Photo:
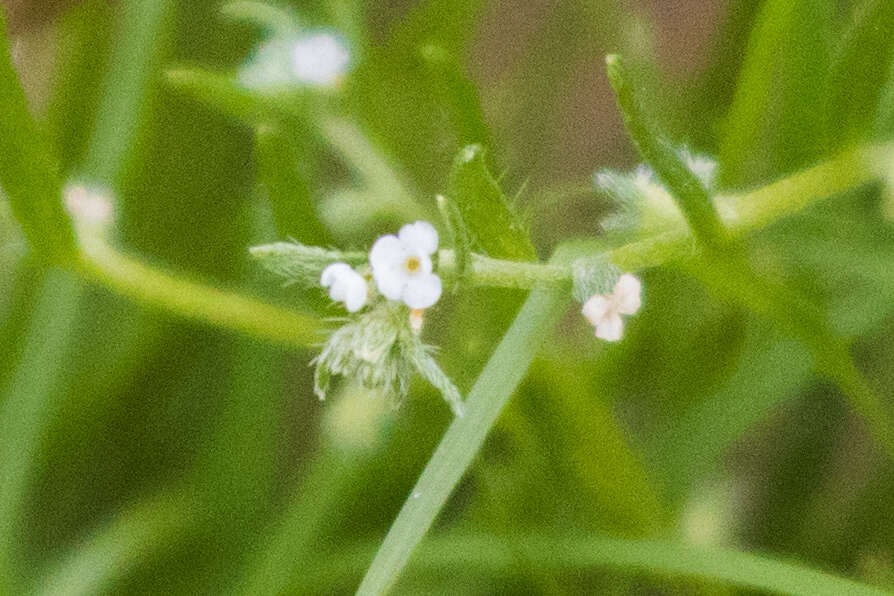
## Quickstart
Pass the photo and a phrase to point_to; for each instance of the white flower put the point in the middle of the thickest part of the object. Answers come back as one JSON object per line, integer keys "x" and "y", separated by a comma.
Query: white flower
{"x": 320, "y": 59}
{"x": 345, "y": 285}
{"x": 604, "y": 310}
{"x": 401, "y": 265}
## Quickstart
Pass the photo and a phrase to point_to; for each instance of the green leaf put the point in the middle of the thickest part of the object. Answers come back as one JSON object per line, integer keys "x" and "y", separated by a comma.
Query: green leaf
{"x": 275, "y": 20}
{"x": 26, "y": 409}
{"x": 283, "y": 174}
{"x": 730, "y": 277}
{"x": 301, "y": 264}
{"x": 107, "y": 555}
{"x": 459, "y": 233}
{"x": 665, "y": 159}
{"x": 495, "y": 229}
{"x": 778, "y": 117}
{"x": 466, "y": 435}
{"x": 455, "y": 91}
{"x": 771, "y": 373}
{"x": 488, "y": 554}
{"x": 29, "y": 174}
{"x": 860, "y": 71}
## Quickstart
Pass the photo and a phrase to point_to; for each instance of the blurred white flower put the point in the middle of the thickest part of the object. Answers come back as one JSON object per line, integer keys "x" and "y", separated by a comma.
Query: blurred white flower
{"x": 320, "y": 59}
{"x": 316, "y": 60}
{"x": 345, "y": 285}
{"x": 89, "y": 207}
{"x": 604, "y": 311}
{"x": 402, "y": 267}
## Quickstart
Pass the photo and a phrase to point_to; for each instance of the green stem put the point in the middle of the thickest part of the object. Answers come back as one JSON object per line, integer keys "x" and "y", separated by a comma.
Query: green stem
{"x": 29, "y": 173}
{"x": 463, "y": 439}
{"x": 657, "y": 150}
{"x": 156, "y": 287}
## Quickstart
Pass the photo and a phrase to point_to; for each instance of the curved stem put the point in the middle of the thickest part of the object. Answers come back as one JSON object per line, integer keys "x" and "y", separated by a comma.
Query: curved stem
{"x": 130, "y": 277}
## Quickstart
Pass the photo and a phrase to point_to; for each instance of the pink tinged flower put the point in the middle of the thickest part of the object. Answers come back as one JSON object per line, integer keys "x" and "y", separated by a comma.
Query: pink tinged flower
{"x": 604, "y": 311}
{"x": 345, "y": 285}
{"x": 402, "y": 267}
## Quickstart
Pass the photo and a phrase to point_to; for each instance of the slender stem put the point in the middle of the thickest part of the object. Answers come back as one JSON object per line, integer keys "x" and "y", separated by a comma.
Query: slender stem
{"x": 130, "y": 277}
{"x": 741, "y": 213}
{"x": 660, "y": 153}
{"x": 491, "y": 392}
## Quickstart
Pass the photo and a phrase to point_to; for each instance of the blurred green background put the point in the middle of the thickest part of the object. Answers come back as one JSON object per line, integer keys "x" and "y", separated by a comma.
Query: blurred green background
{"x": 164, "y": 456}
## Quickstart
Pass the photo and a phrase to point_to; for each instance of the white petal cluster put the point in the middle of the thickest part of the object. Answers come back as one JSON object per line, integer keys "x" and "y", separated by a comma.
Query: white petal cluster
{"x": 345, "y": 285}
{"x": 604, "y": 311}
{"x": 320, "y": 59}
{"x": 402, "y": 266}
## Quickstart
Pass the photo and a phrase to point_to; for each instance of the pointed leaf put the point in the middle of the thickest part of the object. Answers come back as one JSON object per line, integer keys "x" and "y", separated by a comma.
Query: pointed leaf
{"x": 495, "y": 229}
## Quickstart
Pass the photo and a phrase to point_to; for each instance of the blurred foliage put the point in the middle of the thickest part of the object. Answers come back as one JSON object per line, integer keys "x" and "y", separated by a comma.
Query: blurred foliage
{"x": 145, "y": 453}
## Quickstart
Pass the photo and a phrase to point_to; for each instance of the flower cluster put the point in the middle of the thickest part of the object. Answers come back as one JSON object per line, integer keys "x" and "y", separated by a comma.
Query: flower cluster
{"x": 380, "y": 347}
{"x": 604, "y": 311}
{"x": 401, "y": 268}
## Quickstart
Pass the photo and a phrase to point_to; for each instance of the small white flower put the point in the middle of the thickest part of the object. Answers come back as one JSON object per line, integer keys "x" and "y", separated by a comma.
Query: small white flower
{"x": 402, "y": 267}
{"x": 604, "y": 311}
{"x": 345, "y": 285}
{"x": 320, "y": 59}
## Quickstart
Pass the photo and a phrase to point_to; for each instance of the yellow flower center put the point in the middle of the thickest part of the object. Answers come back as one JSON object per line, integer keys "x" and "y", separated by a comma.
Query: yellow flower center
{"x": 413, "y": 264}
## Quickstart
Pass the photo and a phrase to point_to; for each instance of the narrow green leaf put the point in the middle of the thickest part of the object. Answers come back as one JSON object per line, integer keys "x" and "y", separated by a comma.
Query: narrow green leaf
{"x": 283, "y": 175}
{"x": 286, "y": 554}
{"x": 261, "y": 14}
{"x": 486, "y": 555}
{"x": 126, "y": 542}
{"x": 29, "y": 173}
{"x": 778, "y": 117}
{"x": 301, "y": 264}
{"x": 861, "y": 70}
{"x": 771, "y": 373}
{"x": 126, "y": 89}
{"x": 224, "y": 94}
{"x": 457, "y": 93}
{"x": 502, "y": 374}
{"x": 729, "y": 277}
{"x": 493, "y": 226}
{"x": 25, "y": 409}
{"x": 685, "y": 187}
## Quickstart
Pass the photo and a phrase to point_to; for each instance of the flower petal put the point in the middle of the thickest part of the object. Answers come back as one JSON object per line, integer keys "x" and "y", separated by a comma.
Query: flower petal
{"x": 333, "y": 272}
{"x": 611, "y": 328}
{"x": 596, "y": 308}
{"x": 355, "y": 293}
{"x": 627, "y": 294}
{"x": 420, "y": 236}
{"x": 390, "y": 281}
{"x": 422, "y": 291}
{"x": 386, "y": 252}
{"x": 425, "y": 265}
